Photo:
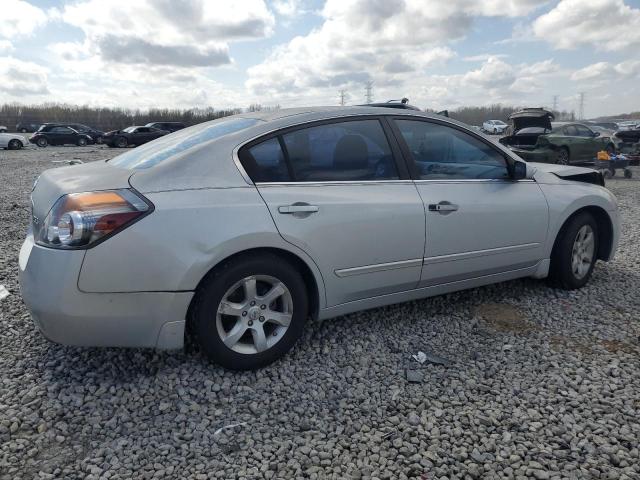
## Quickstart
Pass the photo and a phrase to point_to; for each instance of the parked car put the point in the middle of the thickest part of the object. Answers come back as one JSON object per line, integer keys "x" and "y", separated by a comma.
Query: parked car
{"x": 242, "y": 228}
{"x": 27, "y": 127}
{"x": 628, "y": 136}
{"x": 494, "y": 126}
{"x": 59, "y": 134}
{"x": 96, "y": 135}
{"x": 167, "y": 126}
{"x": 132, "y": 136}
{"x": 3, "y": 129}
{"x": 12, "y": 141}
{"x": 534, "y": 137}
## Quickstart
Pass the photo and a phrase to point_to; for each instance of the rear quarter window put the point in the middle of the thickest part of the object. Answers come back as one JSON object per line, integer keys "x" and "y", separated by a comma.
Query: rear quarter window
{"x": 167, "y": 146}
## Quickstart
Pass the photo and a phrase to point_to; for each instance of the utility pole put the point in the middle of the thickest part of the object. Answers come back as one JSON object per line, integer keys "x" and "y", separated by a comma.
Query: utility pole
{"x": 369, "y": 91}
{"x": 581, "y": 109}
{"x": 555, "y": 103}
{"x": 343, "y": 94}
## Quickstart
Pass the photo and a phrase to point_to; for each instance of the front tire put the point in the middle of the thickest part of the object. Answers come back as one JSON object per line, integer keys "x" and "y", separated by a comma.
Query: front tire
{"x": 250, "y": 312}
{"x": 81, "y": 142}
{"x": 575, "y": 253}
{"x": 120, "y": 142}
{"x": 42, "y": 142}
{"x": 14, "y": 145}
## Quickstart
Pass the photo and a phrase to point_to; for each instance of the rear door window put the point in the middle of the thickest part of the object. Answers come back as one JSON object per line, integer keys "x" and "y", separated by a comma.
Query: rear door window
{"x": 343, "y": 151}
{"x": 571, "y": 131}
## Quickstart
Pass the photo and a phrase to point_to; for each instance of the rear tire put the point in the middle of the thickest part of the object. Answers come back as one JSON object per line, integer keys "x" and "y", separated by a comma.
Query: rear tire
{"x": 23, "y": 130}
{"x": 243, "y": 336}
{"x": 563, "y": 157}
{"x": 42, "y": 142}
{"x": 575, "y": 252}
{"x": 14, "y": 144}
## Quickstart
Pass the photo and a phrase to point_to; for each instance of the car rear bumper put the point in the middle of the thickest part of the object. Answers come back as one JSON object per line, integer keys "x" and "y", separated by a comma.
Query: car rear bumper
{"x": 66, "y": 315}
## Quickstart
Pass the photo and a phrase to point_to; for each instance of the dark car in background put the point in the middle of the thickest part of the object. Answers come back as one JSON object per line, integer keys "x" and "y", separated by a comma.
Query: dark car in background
{"x": 59, "y": 134}
{"x": 96, "y": 135}
{"x": 28, "y": 127}
{"x": 135, "y": 135}
{"x": 533, "y": 136}
{"x": 167, "y": 126}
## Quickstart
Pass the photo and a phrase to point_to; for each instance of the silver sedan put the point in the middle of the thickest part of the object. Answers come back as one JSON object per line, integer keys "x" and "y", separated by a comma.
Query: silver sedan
{"x": 241, "y": 229}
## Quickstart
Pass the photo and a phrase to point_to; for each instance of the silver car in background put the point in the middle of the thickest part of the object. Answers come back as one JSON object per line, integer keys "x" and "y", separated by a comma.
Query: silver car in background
{"x": 240, "y": 229}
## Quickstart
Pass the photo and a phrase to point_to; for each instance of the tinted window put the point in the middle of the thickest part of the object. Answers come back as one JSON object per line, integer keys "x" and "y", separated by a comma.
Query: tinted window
{"x": 143, "y": 130}
{"x": 345, "y": 151}
{"x": 571, "y": 130}
{"x": 61, "y": 130}
{"x": 167, "y": 146}
{"x": 265, "y": 162}
{"x": 442, "y": 152}
{"x": 583, "y": 131}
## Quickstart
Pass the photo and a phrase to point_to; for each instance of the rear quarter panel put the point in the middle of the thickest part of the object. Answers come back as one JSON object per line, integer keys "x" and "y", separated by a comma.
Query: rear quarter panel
{"x": 189, "y": 232}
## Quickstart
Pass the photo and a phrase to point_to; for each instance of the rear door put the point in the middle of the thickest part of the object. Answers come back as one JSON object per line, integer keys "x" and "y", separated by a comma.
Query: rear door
{"x": 589, "y": 143}
{"x": 59, "y": 135}
{"x": 479, "y": 222}
{"x": 142, "y": 135}
{"x": 337, "y": 191}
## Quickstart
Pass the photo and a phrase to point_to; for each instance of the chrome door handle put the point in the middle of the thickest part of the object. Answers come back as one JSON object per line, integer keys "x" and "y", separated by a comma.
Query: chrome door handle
{"x": 291, "y": 209}
{"x": 443, "y": 207}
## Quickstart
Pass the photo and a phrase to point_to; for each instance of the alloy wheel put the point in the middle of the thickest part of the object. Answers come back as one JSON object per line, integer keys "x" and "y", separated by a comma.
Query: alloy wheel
{"x": 583, "y": 251}
{"x": 563, "y": 157}
{"x": 254, "y": 314}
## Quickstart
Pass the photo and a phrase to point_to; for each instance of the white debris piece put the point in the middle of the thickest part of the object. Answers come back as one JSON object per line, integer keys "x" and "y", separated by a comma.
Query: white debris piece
{"x": 4, "y": 293}
{"x": 420, "y": 357}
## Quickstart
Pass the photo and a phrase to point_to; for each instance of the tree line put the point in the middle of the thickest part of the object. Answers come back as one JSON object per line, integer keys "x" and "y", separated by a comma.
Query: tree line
{"x": 104, "y": 118}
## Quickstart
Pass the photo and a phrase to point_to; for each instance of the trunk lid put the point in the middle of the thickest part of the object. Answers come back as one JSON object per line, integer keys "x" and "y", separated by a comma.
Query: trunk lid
{"x": 56, "y": 182}
{"x": 531, "y": 117}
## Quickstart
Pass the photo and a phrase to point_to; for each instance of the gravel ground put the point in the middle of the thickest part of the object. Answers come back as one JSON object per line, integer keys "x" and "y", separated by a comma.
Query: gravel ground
{"x": 537, "y": 383}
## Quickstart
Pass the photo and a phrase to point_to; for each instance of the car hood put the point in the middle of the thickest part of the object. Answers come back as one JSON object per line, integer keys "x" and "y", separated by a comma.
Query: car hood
{"x": 567, "y": 172}
{"x": 531, "y": 118}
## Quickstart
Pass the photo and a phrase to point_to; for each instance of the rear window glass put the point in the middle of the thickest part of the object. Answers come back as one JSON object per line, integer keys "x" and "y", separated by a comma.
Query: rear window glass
{"x": 154, "y": 152}
{"x": 345, "y": 151}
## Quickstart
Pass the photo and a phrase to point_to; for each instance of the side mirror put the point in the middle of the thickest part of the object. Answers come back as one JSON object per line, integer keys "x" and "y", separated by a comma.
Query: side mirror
{"x": 596, "y": 134}
{"x": 522, "y": 171}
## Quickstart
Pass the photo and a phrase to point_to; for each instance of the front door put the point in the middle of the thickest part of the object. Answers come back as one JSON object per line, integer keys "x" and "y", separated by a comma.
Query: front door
{"x": 334, "y": 190}
{"x": 479, "y": 221}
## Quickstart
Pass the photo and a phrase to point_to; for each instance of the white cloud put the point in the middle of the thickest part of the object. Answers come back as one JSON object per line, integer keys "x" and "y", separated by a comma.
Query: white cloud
{"x": 590, "y": 72}
{"x": 6, "y": 47}
{"x": 19, "y": 18}
{"x": 287, "y": 8}
{"x": 608, "y": 25}
{"x": 494, "y": 73}
{"x": 167, "y": 32}
{"x": 19, "y": 78}
{"x": 606, "y": 70}
{"x": 387, "y": 41}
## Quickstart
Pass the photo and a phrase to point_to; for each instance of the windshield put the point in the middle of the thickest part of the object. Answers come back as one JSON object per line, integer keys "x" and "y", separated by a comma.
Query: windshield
{"x": 129, "y": 129}
{"x": 159, "y": 150}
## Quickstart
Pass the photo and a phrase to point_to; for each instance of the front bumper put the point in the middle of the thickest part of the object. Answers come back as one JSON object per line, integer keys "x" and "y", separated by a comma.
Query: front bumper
{"x": 66, "y": 315}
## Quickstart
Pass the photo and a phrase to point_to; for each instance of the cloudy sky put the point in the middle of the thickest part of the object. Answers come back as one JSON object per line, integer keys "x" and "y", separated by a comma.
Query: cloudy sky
{"x": 230, "y": 53}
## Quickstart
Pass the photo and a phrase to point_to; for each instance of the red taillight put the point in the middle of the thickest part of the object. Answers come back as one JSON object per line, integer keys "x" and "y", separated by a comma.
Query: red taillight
{"x": 79, "y": 220}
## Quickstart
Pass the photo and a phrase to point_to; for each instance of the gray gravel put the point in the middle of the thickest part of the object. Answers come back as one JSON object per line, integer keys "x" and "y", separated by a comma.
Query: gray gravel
{"x": 542, "y": 384}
